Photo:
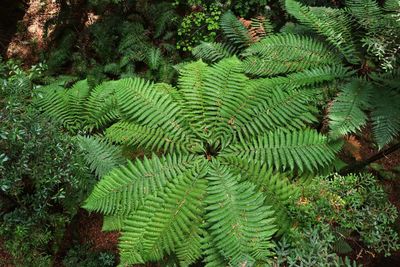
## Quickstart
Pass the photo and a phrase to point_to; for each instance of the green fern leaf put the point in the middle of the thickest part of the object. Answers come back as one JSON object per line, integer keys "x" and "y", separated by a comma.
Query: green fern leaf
{"x": 101, "y": 156}
{"x": 164, "y": 220}
{"x": 234, "y": 30}
{"x": 334, "y": 24}
{"x": 127, "y": 187}
{"x": 213, "y": 52}
{"x": 239, "y": 222}
{"x": 301, "y": 150}
{"x": 285, "y": 53}
{"x": 346, "y": 115}
{"x": 113, "y": 223}
{"x": 385, "y": 116}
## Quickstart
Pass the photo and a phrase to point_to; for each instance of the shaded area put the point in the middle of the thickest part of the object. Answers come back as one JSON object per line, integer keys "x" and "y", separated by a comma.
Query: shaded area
{"x": 11, "y": 12}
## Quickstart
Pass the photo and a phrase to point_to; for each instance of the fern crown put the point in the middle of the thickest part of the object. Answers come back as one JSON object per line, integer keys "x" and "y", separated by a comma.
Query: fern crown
{"x": 210, "y": 189}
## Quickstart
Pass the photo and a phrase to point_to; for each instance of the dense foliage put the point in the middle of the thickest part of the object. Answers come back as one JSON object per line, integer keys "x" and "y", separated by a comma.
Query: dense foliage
{"x": 208, "y": 133}
{"x": 43, "y": 178}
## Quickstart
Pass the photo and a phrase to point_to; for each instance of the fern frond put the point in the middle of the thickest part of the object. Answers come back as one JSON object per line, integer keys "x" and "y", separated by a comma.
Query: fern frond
{"x": 235, "y": 31}
{"x": 165, "y": 220}
{"x": 190, "y": 249}
{"x": 101, "y": 106}
{"x": 212, "y": 256}
{"x": 266, "y": 109}
{"x": 239, "y": 223}
{"x": 277, "y": 188}
{"x": 302, "y": 150}
{"x": 132, "y": 134}
{"x": 285, "y": 53}
{"x": 126, "y": 187}
{"x": 223, "y": 94}
{"x": 153, "y": 58}
{"x": 65, "y": 105}
{"x": 141, "y": 104}
{"x": 113, "y": 223}
{"x": 303, "y": 79}
{"x": 366, "y": 12}
{"x": 385, "y": 117}
{"x": 101, "y": 156}
{"x": 334, "y": 24}
{"x": 213, "y": 52}
{"x": 191, "y": 87}
{"x": 346, "y": 114}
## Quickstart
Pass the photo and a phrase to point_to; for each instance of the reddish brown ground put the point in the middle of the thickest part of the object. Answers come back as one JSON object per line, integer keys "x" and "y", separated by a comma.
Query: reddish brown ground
{"x": 31, "y": 38}
{"x": 5, "y": 258}
{"x": 89, "y": 231}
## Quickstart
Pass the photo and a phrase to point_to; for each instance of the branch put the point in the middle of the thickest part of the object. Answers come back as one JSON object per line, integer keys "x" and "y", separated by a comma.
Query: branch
{"x": 360, "y": 165}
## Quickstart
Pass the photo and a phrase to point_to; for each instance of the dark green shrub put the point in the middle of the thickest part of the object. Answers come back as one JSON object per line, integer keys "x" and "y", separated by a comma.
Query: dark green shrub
{"x": 43, "y": 178}
{"x": 355, "y": 207}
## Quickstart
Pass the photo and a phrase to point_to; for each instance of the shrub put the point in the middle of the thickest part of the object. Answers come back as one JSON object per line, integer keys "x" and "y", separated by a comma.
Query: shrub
{"x": 43, "y": 178}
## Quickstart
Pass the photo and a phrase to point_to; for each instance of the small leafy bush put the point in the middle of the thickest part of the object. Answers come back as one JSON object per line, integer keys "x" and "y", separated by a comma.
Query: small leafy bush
{"x": 82, "y": 256}
{"x": 355, "y": 207}
{"x": 43, "y": 178}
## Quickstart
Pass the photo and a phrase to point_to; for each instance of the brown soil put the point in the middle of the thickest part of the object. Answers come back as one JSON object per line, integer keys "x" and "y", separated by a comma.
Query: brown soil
{"x": 11, "y": 11}
{"x": 89, "y": 230}
{"x": 31, "y": 37}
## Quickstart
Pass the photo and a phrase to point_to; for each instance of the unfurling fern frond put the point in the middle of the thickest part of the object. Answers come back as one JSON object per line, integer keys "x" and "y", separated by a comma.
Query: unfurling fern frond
{"x": 346, "y": 114}
{"x": 334, "y": 24}
{"x": 285, "y": 53}
{"x": 101, "y": 156}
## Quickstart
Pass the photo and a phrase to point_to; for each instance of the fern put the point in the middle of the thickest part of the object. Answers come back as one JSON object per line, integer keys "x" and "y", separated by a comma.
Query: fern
{"x": 301, "y": 149}
{"x": 213, "y": 52}
{"x": 235, "y": 31}
{"x": 239, "y": 222}
{"x": 284, "y": 53}
{"x": 99, "y": 155}
{"x": 346, "y": 114}
{"x": 210, "y": 190}
{"x": 65, "y": 105}
{"x": 334, "y": 24}
{"x": 385, "y": 117}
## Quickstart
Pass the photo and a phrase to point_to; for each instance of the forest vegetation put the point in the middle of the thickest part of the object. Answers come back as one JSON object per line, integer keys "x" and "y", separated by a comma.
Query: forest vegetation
{"x": 199, "y": 133}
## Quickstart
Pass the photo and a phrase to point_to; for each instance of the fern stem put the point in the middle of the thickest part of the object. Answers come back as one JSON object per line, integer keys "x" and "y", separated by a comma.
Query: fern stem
{"x": 360, "y": 165}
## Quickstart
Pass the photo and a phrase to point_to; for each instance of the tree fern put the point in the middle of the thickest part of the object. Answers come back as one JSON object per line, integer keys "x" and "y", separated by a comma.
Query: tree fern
{"x": 210, "y": 190}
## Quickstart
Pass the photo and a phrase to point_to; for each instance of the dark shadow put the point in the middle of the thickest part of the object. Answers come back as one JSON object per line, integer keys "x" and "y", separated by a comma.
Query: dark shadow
{"x": 11, "y": 12}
